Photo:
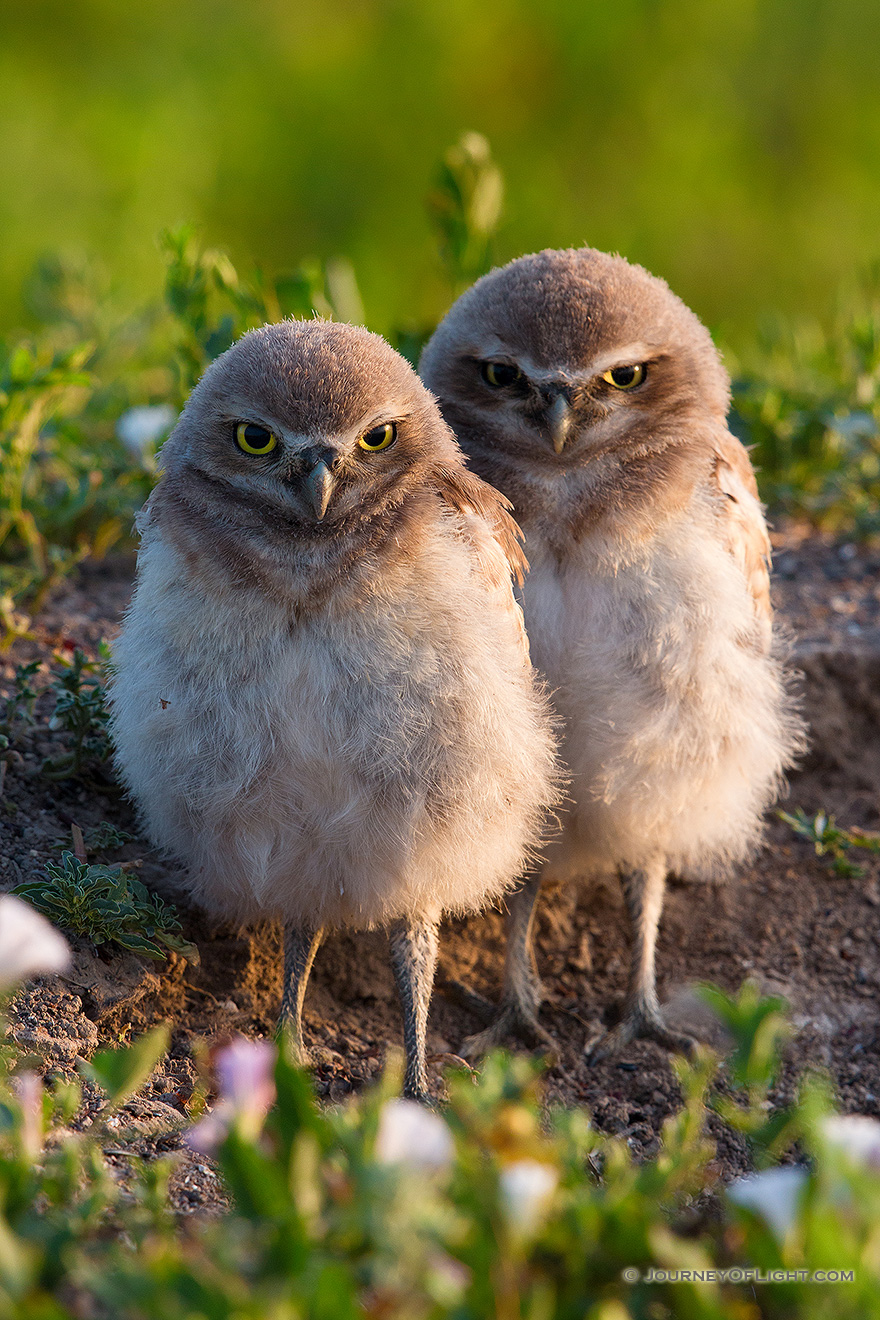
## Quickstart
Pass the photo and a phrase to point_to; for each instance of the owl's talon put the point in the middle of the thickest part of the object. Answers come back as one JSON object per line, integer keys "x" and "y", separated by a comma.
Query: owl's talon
{"x": 515, "y": 1021}
{"x": 312, "y": 1057}
{"x": 638, "y": 1026}
{"x": 294, "y": 1050}
{"x": 300, "y": 1056}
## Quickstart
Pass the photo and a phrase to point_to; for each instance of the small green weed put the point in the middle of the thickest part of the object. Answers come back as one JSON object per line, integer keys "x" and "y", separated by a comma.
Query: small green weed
{"x": 36, "y": 389}
{"x": 81, "y": 712}
{"x": 106, "y": 904}
{"x": 832, "y": 842}
{"x": 759, "y": 1029}
{"x": 212, "y": 305}
{"x": 106, "y": 837}
{"x": 64, "y": 492}
{"x": 808, "y": 398}
{"x": 465, "y": 207}
{"x": 98, "y": 839}
{"x": 18, "y": 708}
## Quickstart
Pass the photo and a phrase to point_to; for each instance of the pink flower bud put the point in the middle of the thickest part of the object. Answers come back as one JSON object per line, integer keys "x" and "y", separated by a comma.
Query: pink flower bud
{"x": 247, "y": 1091}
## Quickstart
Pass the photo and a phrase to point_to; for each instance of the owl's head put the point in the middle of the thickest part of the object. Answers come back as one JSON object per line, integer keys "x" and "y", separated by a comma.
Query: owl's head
{"x": 565, "y": 355}
{"x": 308, "y": 426}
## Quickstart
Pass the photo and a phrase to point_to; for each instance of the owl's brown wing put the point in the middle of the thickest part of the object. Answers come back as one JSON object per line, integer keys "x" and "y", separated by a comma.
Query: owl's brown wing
{"x": 744, "y": 528}
{"x": 493, "y": 534}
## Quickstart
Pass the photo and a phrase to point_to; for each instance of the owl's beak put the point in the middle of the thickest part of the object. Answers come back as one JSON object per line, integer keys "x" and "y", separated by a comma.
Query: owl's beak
{"x": 319, "y": 487}
{"x": 560, "y": 417}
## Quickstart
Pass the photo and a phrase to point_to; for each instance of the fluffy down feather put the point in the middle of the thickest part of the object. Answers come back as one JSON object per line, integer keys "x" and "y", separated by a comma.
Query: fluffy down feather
{"x": 647, "y": 606}
{"x": 330, "y": 721}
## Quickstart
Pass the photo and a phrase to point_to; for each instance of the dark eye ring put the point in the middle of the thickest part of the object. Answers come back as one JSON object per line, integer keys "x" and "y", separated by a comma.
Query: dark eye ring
{"x": 499, "y": 374}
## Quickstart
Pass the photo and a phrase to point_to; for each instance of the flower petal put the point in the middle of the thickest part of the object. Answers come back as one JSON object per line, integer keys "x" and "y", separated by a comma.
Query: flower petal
{"x": 857, "y": 1135}
{"x": 527, "y": 1187}
{"x": 774, "y": 1194}
{"x": 410, "y": 1134}
{"x": 140, "y": 428}
{"x": 29, "y": 945}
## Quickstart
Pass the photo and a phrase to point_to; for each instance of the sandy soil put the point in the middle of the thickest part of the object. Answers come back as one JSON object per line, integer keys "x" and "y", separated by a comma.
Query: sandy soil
{"x": 788, "y": 920}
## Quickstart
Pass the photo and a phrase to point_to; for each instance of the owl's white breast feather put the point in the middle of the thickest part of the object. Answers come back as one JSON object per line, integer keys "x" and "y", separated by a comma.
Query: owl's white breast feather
{"x": 677, "y": 729}
{"x": 348, "y": 766}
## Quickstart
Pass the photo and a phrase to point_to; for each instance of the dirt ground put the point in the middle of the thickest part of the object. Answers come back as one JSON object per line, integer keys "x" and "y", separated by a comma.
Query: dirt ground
{"x": 788, "y": 920}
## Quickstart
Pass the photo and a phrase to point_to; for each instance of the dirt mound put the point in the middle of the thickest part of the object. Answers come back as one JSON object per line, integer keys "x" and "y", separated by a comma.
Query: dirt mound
{"x": 842, "y": 705}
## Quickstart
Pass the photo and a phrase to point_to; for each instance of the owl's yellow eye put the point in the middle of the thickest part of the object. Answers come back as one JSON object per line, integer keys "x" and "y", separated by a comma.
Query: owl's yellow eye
{"x": 254, "y": 439}
{"x": 500, "y": 374}
{"x": 379, "y": 437}
{"x": 626, "y": 378}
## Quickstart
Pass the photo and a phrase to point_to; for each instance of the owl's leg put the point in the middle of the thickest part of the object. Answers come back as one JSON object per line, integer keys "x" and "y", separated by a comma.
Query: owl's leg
{"x": 643, "y": 890}
{"x": 300, "y": 947}
{"x": 517, "y": 1014}
{"x": 413, "y": 944}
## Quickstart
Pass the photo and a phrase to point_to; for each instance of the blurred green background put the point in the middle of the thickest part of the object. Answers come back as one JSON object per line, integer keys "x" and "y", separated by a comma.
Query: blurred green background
{"x": 731, "y": 146}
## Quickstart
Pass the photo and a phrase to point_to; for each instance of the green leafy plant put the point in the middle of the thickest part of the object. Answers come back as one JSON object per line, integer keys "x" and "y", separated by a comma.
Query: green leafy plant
{"x": 38, "y": 388}
{"x": 60, "y": 1205}
{"x": 97, "y": 840}
{"x": 808, "y": 398}
{"x": 18, "y": 707}
{"x": 465, "y": 208}
{"x": 212, "y": 304}
{"x": 81, "y": 712}
{"x": 67, "y": 487}
{"x": 106, "y": 904}
{"x": 832, "y": 842}
{"x": 106, "y": 837}
{"x": 758, "y": 1028}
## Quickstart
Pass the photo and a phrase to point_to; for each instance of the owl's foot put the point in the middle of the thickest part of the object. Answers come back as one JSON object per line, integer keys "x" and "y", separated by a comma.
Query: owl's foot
{"x": 318, "y": 1056}
{"x": 513, "y": 1020}
{"x": 309, "y": 1057}
{"x": 293, "y": 1046}
{"x": 639, "y": 1024}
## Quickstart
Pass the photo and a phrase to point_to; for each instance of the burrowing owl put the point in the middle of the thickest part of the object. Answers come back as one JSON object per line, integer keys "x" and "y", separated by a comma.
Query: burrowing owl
{"x": 588, "y": 393}
{"x": 323, "y": 702}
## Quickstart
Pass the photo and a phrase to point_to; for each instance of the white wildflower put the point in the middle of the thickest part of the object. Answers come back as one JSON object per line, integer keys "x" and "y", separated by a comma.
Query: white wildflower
{"x": 29, "y": 946}
{"x": 857, "y": 1135}
{"x": 774, "y": 1194}
{"x": 140, "y": 428}
{"x": 410, "y": 1134}
{"x": 527, "y": 1187}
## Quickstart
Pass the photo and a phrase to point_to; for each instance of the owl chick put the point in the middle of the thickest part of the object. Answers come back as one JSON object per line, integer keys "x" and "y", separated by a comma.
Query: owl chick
{"x": 322, "y": 699}
{"x": 582, "y": 388}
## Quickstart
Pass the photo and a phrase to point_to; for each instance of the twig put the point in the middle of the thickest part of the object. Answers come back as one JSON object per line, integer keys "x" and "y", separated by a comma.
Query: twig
{"x": 79, "y": 846}
{"x": 207, "y": 993}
